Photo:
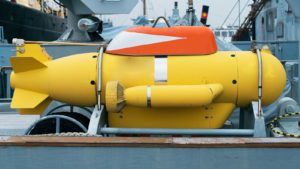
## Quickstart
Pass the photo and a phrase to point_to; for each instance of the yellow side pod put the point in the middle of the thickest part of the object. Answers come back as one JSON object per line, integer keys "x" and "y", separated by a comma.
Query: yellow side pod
{"x": 161, "y": 96}
{"x": 38, "y": 80}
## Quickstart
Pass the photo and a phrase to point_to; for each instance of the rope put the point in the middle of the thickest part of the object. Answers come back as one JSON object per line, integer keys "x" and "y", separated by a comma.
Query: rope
{"x": 272, "y": 125}
{"x": 229, "y": 14}
{"x": 68, "y": 134}
{"x": 241, "y": 12}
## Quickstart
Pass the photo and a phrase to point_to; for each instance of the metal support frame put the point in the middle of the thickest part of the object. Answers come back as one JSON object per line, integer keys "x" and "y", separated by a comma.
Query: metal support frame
{"x": 198, "y": 132}
{"x": 99, "y": 80}
{"x": 250, "y": 125}
{"x": 97, "y": 117}
{"x": 249, "y": 119}
{"x": 96, "y": 120}
{"x": 259, "y": 121}
{"x": 259, "y": 59}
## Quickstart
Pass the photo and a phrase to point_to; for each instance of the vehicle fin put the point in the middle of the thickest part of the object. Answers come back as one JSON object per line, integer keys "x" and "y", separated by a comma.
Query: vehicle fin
{"x": 23, "y": 64}
{"x": 29, "y": 102}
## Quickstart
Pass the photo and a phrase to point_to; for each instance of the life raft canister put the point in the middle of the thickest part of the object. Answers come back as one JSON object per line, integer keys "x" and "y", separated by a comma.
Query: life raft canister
{"x": 179, "y": 40}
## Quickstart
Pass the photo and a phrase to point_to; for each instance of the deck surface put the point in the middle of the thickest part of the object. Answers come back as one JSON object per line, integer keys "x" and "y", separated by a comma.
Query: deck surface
{"x": 14, "y": 124}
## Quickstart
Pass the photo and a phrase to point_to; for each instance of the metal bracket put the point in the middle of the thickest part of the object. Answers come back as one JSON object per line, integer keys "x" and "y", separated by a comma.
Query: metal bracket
{"x": 190, "y": 132}
{"x": 259, "y": 121}
{"x": 99, "y": 80}
{"x": 96, "y": 120}
{"x": 249, "y": 119}
{"x": 259, "y": 59}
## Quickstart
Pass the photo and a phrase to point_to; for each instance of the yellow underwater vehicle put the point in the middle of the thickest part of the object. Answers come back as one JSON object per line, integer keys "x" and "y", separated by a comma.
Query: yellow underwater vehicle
{"x": 148, "y": 77}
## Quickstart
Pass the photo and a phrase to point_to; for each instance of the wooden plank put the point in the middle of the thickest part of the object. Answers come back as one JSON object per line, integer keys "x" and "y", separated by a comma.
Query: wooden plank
{"x": 60, "y": 141}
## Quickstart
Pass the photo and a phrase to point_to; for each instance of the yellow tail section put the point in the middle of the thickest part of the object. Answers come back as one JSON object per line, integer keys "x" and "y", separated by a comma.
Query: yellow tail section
{"x": 29, "y": 57}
